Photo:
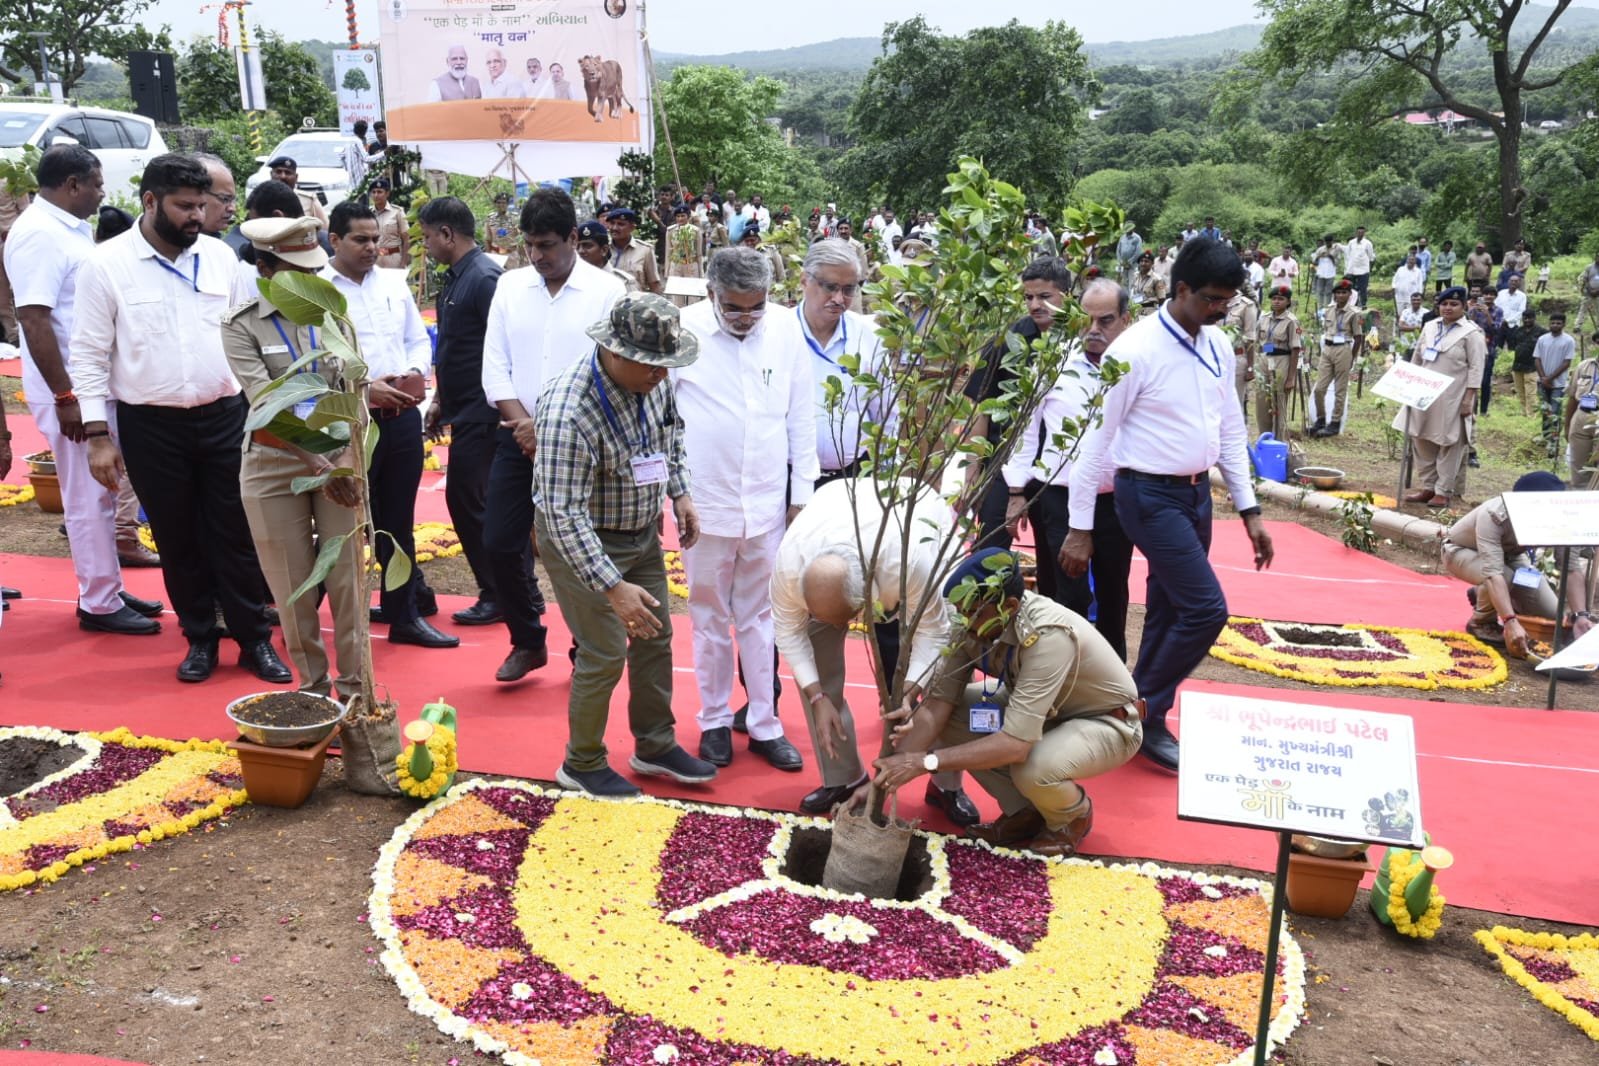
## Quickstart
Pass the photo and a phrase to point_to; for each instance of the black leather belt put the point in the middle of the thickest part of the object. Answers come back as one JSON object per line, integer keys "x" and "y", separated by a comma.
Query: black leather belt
{"x": 1170, "y": 479}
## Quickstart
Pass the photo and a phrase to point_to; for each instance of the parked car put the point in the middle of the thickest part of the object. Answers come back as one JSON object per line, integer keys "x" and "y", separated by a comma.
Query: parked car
{"x": 320, "y": 157}
{"x": 123, "y": 142}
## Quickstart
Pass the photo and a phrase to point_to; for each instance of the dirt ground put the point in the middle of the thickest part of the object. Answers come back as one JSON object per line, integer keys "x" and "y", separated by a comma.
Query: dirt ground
{"x": 245, "y": 942}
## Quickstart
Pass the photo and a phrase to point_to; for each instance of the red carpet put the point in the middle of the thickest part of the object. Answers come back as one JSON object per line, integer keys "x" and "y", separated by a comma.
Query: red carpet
{"x": 52, "y": 1058}
{"x": 1492, "y": 776}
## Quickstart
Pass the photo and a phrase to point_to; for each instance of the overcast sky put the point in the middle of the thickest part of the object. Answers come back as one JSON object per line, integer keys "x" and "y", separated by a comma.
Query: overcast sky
{"x": 687, "y": 25}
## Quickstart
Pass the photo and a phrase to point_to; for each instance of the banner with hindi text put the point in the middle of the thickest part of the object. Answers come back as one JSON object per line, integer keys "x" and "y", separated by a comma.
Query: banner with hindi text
{"x": 564, "y": 78}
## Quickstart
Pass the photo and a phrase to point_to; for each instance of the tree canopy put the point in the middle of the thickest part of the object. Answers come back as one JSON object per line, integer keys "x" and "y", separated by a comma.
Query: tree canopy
{"x": 208, "y": 82}
{"x": 76, "y": 30}
{"x": 1013, "y": 96}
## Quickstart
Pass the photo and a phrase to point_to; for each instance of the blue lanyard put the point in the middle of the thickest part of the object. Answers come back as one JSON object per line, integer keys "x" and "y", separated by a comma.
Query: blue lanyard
{"x": 1182, "y": 339}
{"x": 293, "y": 349}
{"x": 610, "y": 412}
{"x": 999, "y": 677}
{"x": 193, "y": 282}
{"x": 843, "y": 326}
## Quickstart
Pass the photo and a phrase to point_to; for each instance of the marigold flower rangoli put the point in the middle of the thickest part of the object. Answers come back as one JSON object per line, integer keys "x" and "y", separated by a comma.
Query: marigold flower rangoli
{"x": 1356, "y": 656}
{"x": 549, "y": 927}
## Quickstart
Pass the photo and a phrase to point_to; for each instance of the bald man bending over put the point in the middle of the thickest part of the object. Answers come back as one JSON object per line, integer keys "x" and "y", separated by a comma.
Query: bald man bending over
{"x": 819, "y": 587}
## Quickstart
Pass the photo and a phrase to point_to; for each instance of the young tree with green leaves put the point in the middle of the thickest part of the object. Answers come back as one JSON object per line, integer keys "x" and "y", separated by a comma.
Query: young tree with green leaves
{"x": 1013, "y": 96}
{"x": 208, "y": 82}
{"x": 76, "y": 30}
{"x": 1396, "y": 55}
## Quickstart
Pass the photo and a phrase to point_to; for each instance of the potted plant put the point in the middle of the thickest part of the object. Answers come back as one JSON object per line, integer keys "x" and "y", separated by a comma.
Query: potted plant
{"x": 1324, "y": 874}
{"x": 369, "y": 728}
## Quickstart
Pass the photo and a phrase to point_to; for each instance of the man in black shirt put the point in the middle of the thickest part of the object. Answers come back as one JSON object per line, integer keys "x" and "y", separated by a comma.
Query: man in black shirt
{"x": 450, "y": 233}
{"x": 1045, "y": 283}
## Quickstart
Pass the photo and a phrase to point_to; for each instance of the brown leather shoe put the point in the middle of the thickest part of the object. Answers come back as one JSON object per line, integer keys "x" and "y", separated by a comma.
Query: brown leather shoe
{"x": 1418, "y": 496}
{"x": 1438, "y": 501}
{"x": 1009, "y": 829}
{"x": 133, "y": 554}
{"x": 1063, "y": 842}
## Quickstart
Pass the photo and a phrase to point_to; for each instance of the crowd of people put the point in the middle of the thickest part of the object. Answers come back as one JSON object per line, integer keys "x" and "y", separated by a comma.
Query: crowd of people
{"x": 580, "y": 403}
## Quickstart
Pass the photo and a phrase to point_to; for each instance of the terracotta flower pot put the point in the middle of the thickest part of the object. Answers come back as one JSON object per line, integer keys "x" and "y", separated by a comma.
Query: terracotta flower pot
{"x": 47, "y": 492}
{"x": 1324, "y": 888}
{"x": 281, "y": 777}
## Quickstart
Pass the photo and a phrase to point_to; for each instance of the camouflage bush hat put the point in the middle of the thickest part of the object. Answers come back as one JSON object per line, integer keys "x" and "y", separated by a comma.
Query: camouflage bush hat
{"x": 645, "y": 328}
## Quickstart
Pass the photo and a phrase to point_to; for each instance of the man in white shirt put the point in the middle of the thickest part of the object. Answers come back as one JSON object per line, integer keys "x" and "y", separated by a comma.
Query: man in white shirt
{"x": 1513, "y": 302}
{"x": 1284, "y": 269}
{"x": 1324, "y": 261}
{"x": 147, "y": 333}
{"x": 1037, "y": 476}
{"x": 755, "y": 210}
{"x": 46, "y": 246}
{"x": 395, "y": 346}
{"x": 501, "y": 86}
{"x": 750, "y": 434}
{"x": 1358, "y": 256}
{"x": 537, "y": 328}
{"x": 888, "y": 231}
{"x": 829, "y": 570}
{"x": 1170, "y": 418}
{"x": 1411, "y": 319}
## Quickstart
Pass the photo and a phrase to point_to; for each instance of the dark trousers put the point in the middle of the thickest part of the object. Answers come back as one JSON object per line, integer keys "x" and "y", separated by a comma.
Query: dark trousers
{"x": 1485, "y": 394}
{"x": 1361, "y": 282}
{"x": 1109, "y": 566}
{"x": 1184, "y": 608}
{"x": 991, "y": 516}
{"x": 393, "y": 478}
{"x": 507, "y": 527}
{"x": 184, "y": 464}
{"x": 466, "y": 491}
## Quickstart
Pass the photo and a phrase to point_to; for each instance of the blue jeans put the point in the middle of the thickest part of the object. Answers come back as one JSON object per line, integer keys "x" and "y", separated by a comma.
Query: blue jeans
{"x": 1185, "y": 609}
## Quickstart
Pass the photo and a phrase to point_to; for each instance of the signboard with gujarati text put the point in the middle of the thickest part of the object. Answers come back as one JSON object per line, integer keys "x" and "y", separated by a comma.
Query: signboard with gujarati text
{"x": 1412, "y": 385}
{"x": 1299, "y": 768}
{"x": 1554, "y": 519}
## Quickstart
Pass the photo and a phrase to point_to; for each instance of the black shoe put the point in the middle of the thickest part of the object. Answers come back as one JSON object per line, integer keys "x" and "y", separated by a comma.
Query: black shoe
{"x": 201, "y": 660}
{"x": 520, "y": 663}
{"x": 824, "y": 799}
{"x": 422, "y": 634}
{"x": 716, "y": 746}
{"x": 1159, "y": 746}
{"x": 261, "y": 659}
{"x": 675, "y": 763}
{"x": 954, "y": 802}
{"x": 1472, "y": 461}
{"x": 602, "y": 782}
{"x": 741, "y": 719}
{"x": 1315, "y": 430}
{"x": 782, "y": 754}
{"x": 148, "y": 608}
{"x": 9, "y": 593}
{"x": 376, "y": 616}
{"x": 427, "y": 602}
{"x": 124, "y": 620}
{"x": 481, "y": 613}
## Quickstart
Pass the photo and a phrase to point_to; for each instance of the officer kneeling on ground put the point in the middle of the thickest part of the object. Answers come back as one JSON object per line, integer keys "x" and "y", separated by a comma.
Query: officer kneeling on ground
{"x": 1057, "y": 705}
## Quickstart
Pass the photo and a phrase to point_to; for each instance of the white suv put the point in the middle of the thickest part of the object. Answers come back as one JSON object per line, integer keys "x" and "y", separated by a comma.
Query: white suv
{"x": 123, "y": 142}
{"x": 321, "y": 162}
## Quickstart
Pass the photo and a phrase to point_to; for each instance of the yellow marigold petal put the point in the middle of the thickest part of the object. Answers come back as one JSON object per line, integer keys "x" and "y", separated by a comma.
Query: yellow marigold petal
{"x": 428, "y": 882}
{"x": 1237, "y": 995}
{"x": 452, "y": 970}
{"x": 1166, "y": 1046}
{"x": 468, "y": 815}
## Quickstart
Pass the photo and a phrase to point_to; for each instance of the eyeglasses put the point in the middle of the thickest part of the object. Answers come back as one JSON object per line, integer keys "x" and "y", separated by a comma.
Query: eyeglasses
{"x": 835, "y": 290}
{"x": 225, "y": 201}
{"x": 740, "y": 312}
{"x": 1215, "y": 301}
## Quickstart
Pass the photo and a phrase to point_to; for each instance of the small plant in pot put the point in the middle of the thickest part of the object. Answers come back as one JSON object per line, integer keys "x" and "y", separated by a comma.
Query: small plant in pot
{"x": 326, "y": 414}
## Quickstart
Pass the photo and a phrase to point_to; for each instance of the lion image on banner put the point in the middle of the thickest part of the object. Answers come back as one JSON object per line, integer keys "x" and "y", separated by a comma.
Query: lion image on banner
{"x": 602, "y": 81}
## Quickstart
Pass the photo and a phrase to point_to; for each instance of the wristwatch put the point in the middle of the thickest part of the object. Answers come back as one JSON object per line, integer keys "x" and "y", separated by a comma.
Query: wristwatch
{"x": 930, "y": 762}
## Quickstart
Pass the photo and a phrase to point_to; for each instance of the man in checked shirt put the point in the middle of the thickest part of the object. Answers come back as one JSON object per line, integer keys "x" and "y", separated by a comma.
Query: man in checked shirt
{"x": 610, "y": 451}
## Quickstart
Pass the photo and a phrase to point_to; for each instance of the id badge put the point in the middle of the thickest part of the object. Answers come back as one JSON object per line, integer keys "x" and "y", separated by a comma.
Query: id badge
{"x": 1269, "y": 348}
{"x": 1429, "y": 355}
{"x": 649, "y": 469}
{"x": 1339, "y": 338}
{"x": 1588, "y": 401}
{"x": 1527, "y": 577}
{"x": 303, "y": 409}
{"x": 984, "y": 716}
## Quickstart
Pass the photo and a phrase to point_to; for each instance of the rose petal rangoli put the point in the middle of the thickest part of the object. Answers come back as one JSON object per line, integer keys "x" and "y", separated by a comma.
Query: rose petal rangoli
{"x": 1354, "y": 656}
{"x": 612, "y": 939}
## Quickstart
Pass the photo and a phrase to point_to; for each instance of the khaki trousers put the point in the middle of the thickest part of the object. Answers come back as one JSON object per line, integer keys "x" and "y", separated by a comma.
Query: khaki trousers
{"x": 287, "y": 528}
{"x": 1440, "y": 467}
{"x": 603, "y": 647}
{"x": 1526, "y": 388}
{"x": 1584, "y": 428}
{"x": 1466, "y": 564}
{"x": 1072, "y": 750}
{"x": 1332, "y": 373}
{"x": 1242, "y": 383}
{"x": 1271, "y": 405}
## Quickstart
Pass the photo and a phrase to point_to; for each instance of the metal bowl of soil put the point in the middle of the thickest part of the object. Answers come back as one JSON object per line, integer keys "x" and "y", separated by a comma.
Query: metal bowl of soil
{"x": 1320, "y": 477}
{"x": 285, "y": 719}
{"x": 1328, "y": 847}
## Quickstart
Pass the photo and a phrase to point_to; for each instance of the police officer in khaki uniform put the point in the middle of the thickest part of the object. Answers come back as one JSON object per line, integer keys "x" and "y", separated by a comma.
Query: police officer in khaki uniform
{"x": 394, "y": 229}
{"x": 1582, "y": 420}
{"x": 1057, "y": 705}
{"x": 1277, "y": 369}
{"x": 1243, "y": 315}
{"x": 499, "y": 229}
{"x": 1147, "y": 288}
{"x": 261, "y": 344}
{"x": 1342, "y": 338}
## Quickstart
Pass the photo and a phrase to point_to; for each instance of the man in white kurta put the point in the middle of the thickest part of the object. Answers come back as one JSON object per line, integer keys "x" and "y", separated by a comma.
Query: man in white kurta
{"x": 748, "y": 410}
